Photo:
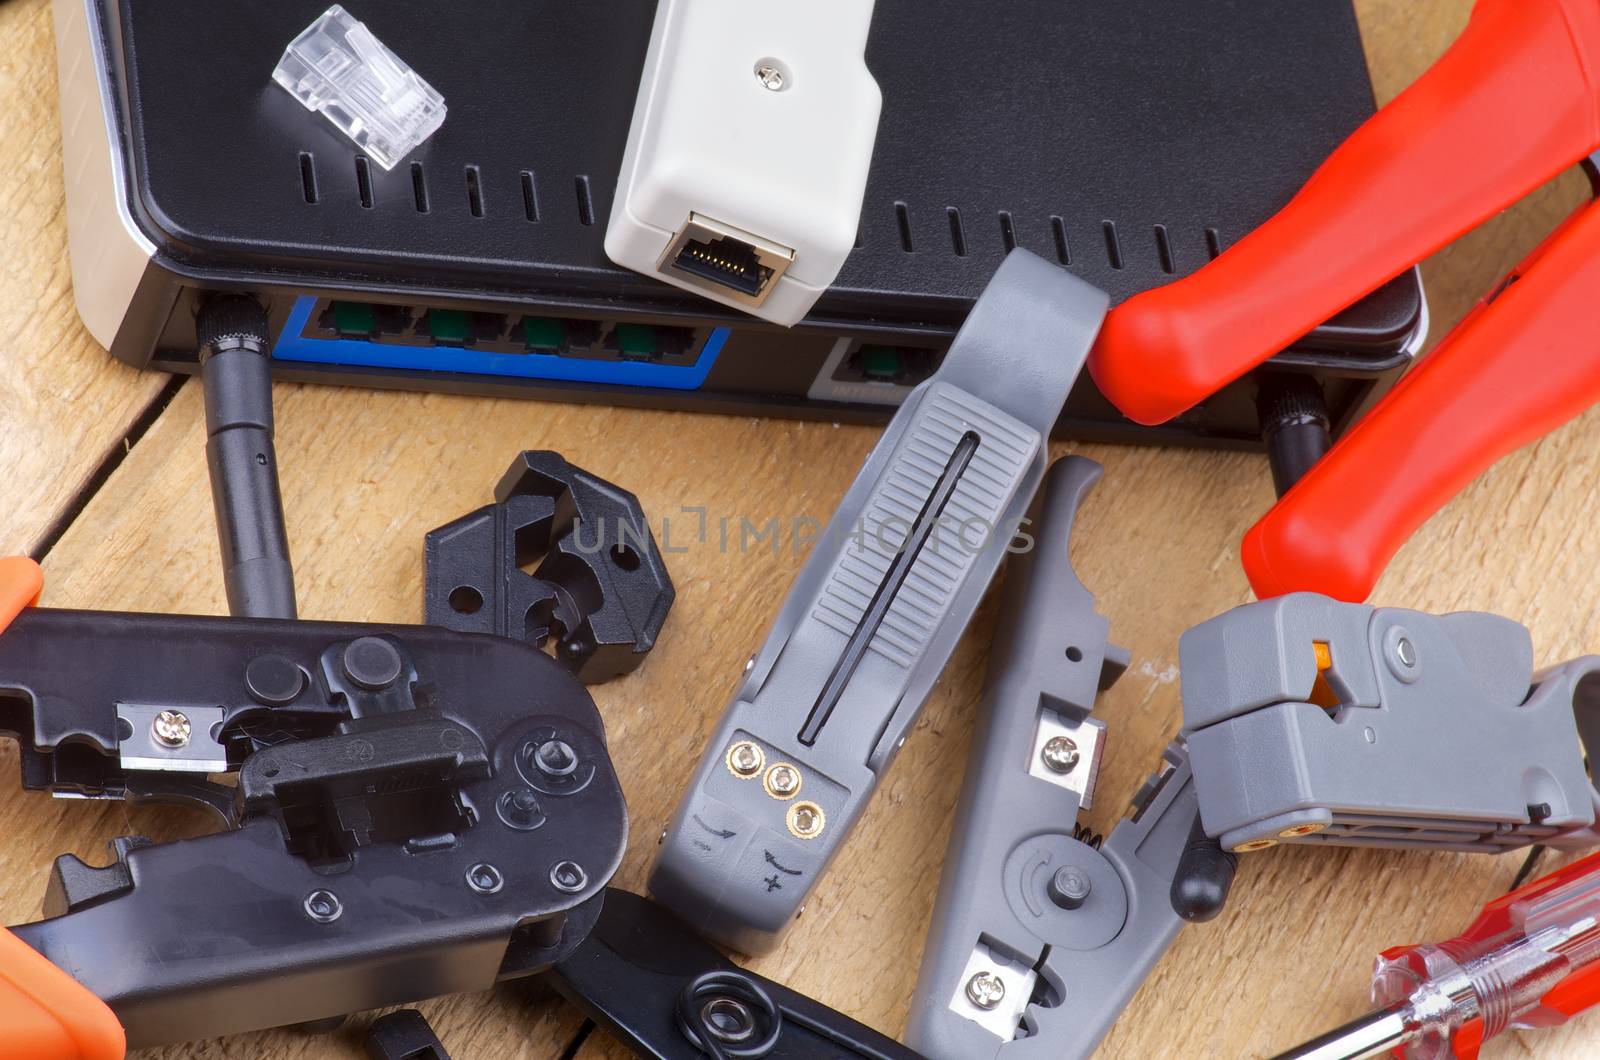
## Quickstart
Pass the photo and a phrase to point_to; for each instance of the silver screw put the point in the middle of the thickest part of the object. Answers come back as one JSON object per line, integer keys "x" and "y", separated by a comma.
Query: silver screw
{"x": 1406, "y": 651}
{"x": 485, "y": 878}
{"x": 771, "y": 77}
{"x": 324, "y": 907}
{"x": 783, "y": 780}
{"x": 985, "y": 989}
{"x": 171, "y": 728}
{"x": 1059, "y": 754}
{"x": 569, "y": 877}
{"x": 750, "y": 664}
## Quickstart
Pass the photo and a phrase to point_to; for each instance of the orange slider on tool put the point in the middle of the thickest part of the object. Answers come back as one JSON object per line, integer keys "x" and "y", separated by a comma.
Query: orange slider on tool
{"x": 1530, "y": 960}
{"x": 1514, "y": 102}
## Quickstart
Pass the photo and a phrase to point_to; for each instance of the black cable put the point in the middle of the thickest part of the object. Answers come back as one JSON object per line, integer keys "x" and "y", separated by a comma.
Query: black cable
{"x": 236, "y": 374}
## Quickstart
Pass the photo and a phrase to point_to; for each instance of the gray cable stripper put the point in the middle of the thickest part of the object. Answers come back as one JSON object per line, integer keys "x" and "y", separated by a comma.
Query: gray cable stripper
{"x": 1312, "y": 720}
{"x": 1039, "y": 939}
{"x": 876, "y": 611}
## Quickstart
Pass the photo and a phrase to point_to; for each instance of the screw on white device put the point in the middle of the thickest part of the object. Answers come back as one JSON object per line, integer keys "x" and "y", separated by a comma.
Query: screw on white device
{"x": 874, "y": 616}
{"x": 748, "y": 154}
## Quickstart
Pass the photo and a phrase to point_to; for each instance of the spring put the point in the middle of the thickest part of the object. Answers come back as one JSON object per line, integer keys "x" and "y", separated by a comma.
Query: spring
{"x": 723, "y": 1013}
{"x": 1087, "y": 836}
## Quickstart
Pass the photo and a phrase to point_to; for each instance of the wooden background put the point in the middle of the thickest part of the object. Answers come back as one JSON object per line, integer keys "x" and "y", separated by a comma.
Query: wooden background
{"x": 104, "y": 479}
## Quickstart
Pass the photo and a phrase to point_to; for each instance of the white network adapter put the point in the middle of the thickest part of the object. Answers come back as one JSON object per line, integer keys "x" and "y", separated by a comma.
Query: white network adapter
{"x": 747, "y": 158}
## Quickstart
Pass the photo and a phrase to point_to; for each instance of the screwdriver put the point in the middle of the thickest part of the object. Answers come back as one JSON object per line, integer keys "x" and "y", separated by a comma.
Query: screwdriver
{"x": 1531, "y": 959}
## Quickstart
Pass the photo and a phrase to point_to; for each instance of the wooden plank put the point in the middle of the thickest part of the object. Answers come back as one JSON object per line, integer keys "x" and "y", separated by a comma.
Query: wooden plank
{"x": 65, "y": 405}
{"x": 366, "y": 474}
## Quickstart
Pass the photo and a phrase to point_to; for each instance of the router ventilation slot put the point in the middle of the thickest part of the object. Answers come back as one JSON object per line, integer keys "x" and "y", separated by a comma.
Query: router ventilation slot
{"x": 902, "y": 215}
{"x": 958, "y": 235}
{"x": 530, "y": 195}
{"x": 585, "y": 201}
{"x": 1113, "y": 244}
{"x": 308, "y": 177}
{"x": 419, "y": 187}
{"x": 364, "y": 181}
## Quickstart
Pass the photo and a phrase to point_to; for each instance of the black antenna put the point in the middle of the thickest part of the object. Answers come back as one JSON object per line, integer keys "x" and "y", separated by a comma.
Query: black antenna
{"x": 236, "y": 374}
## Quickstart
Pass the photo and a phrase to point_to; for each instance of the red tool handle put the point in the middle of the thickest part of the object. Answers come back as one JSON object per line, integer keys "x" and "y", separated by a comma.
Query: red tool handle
{"x": 1509, "y": 106}
{"x": 1518, "y": 367}
{"x": 1511, "y": 955}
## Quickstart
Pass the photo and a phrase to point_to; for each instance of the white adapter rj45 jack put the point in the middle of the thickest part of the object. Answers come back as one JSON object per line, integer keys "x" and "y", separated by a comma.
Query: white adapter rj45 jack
{"x": 748, "y": 155}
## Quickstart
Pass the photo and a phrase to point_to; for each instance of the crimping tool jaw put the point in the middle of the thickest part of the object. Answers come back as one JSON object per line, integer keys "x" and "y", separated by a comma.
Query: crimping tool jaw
{"x": 375, "y": 763}
{"x": 600, "y": 592}
{"x": 1041, "y": 932}
{"x": 874, "y": 615}
{"x": 1310, "y": 720}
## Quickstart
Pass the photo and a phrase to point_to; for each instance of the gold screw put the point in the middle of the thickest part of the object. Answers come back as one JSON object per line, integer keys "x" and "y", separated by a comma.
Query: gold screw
{"x": 1301, "y": 829}
{"x": 745, "y": 759}
{"x": 1254, "y": 844}
{"x": 783, "y": 781}
{"x": 806, "y": 820}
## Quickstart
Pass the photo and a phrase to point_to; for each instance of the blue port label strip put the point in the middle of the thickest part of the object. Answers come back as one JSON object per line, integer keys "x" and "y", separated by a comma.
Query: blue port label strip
{"x": 296, "y": 345}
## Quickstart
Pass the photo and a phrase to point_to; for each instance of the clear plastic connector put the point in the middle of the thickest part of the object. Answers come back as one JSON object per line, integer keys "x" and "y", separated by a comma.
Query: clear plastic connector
{"x": 339, "y": 68}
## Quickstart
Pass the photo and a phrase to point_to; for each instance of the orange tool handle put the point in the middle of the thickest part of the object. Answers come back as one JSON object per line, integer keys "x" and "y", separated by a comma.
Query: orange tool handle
{"x": 20, "y": 583}
{"x": 45, "y": 1014}
{"x": 1509, "y": 106}
{"x": 1516, "y": 368}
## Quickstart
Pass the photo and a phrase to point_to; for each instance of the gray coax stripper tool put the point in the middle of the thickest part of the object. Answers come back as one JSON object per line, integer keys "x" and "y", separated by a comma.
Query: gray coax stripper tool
{"x": 876, "y": 611}
{"x": 1314, "y": 721}
{"x": 1042, "y": 932}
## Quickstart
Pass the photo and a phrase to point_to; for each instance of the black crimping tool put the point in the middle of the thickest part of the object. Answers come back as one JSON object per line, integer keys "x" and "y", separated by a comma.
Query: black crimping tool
{"x": 417, "y": 811}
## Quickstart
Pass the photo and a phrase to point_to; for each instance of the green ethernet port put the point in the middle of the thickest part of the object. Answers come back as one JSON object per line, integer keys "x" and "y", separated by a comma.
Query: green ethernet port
{"x": 873, "y": 362}
{"x": 562, "y": 336}
{"x": 361, "y": 320}
{"x": 544, "y": 334}
{"x": 649, "y": 342}
{"x": 459, "y": 327}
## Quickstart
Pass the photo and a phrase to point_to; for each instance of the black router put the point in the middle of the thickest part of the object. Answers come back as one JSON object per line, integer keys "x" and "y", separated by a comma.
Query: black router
{"x": 1130, "y": 142}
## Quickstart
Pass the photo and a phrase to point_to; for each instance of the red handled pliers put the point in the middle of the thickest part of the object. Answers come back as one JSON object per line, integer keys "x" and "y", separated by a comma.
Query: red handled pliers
{"x": 1515, "y": 101}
